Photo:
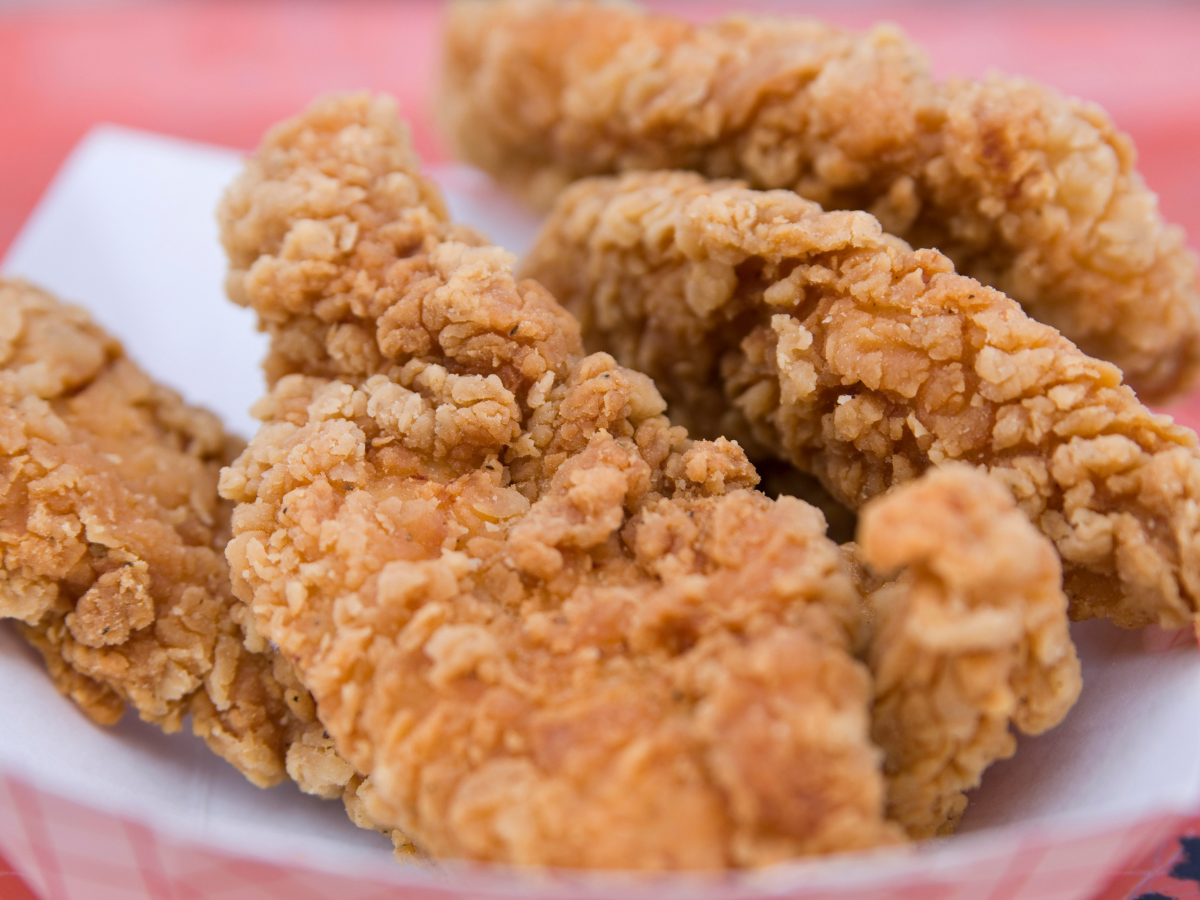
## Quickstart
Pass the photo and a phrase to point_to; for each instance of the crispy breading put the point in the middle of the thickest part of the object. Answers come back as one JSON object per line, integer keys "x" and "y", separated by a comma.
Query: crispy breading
{"x": 114, "y": 538}
{"x": 970, "y": 638}
{"x": 1026, "y": 190}
{"x": 781, "y": 479}
{"x": 552, "y": 629}
{"x": 865, "y": 363}
{"x": 112, "y": 525}
{"x": 317, "y": 226}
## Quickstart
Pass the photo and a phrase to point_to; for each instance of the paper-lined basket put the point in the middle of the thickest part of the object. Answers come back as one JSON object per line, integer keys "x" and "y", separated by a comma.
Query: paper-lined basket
{"x": 127, "y": 230}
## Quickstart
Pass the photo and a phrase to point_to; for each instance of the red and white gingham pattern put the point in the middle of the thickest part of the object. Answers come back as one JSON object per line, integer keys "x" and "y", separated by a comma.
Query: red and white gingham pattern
{"x": 66, "y": 851}
{"x": 1166, "y": 871}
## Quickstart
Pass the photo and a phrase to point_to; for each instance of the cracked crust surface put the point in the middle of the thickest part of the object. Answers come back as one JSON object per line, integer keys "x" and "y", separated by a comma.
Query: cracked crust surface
{"x": 969, "y": 639}
{"x": 326, "y": 228}
{"x": 834, "y": 346}
{"x": 551, "y": 628}
{"x": 113, "y": 538}
{"x": 1024, "y": 189}
{"x": 112, "y": 526}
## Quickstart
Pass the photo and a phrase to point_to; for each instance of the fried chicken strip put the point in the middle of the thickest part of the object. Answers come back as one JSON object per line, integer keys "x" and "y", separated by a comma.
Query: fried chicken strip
{"x": 112, "y": 520}
{"x": 865, "y": 363}
{"x": 552, "y": 629}
{"x": 114, "y": 539}
{"x": 971, "y": 637}
{"x": 1025, "y": 190}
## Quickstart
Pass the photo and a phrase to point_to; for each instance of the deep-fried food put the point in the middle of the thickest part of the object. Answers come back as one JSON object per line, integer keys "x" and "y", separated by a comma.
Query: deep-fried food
{"x": 551, "y": 628}
{"x": 312, "y": 251}
{"x": 971, "y": 637}
{"x": 778, "y": 478}
{"x": 1022, "y": 188}
{"x": 112, "y": 525}
{"x": 114, "y": 538}
{"x": 865, "y": 363}
{"x": 636, "y": 669}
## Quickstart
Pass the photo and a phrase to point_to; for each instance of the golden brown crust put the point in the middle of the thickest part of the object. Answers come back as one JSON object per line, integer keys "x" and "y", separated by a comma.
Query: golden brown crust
{"x": 551, "y": 628}
{"x": 100, "y": 702}
{"x": 971, "y": 637}
{"x": 113, "y": 538}
{"x": 781, "y": 479}
{"x": 111, "y": 519}
{"x": 324, "y": 215}
{"x": 835, "y": 347}
{"x": 1026, "y": 190}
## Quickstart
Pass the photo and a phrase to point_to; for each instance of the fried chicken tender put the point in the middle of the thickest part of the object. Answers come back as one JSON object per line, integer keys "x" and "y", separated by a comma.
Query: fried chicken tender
{"x": 865, "y": 363}
{"x": 1024, "y": 189}
{"x": 114, "y": 538}
{"x": 552, "y": 629}
{"x": 972, "y": 636}
{"x": 112, "y": 525}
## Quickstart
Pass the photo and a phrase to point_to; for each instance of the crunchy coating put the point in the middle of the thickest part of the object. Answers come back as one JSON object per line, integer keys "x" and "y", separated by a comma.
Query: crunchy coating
{"x": 1024, "y": 189}
{"x": 552, "y": 629}
{"x": 112, "y": 522}
{"x": 972, "y": 636}
{"x": 113, "y": 538}
{"x": 865, "y": 363}
{"x": 324, "y": 231}
{"x": 778, "y": 478}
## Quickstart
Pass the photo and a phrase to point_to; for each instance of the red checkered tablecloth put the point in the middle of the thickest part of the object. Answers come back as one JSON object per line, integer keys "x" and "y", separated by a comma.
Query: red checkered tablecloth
{"x": 222, "y": 71}
{"x": 1170, "y": 872}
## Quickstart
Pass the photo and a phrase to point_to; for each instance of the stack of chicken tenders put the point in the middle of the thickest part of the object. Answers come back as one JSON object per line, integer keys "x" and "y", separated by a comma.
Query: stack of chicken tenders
{"x": 495, "y": 570}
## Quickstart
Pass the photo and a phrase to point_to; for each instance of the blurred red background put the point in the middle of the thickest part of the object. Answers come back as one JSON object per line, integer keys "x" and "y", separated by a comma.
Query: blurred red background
{"x": 222, "y": 71}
